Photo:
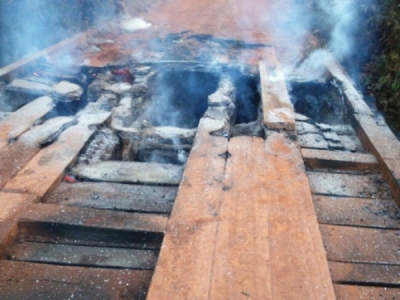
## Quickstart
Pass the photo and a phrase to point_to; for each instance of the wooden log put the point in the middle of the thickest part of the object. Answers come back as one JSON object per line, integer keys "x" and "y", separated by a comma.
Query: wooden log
{"x": 361, "y": 245}
{"x": 339, "y": 160}
{"x": 135, "y": 198}
{"x": 374, "y": 213}
{"x": 21, "y": 280}
{"x": 348, "y": 185}
{"x": 277, "y": 108}
{"x": 74, "y": 255}
{"x": 365, "y": 274}
{"x": 130, "y": 172}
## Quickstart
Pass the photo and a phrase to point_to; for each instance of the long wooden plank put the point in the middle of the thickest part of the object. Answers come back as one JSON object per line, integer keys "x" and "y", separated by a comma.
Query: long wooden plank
{"x": 365, "y": 274}
{"x": 62, "y": 254}
{"x": 185, "y": 263}
{"x": 384, "y": 144}
{"x": 21, "y": 120}
{"x": 21, "y": 280}
{"x": 357, "y": 212}
{"x": 277, "y": 108}
{"x": 348, "y": 185}
{"x": 127, "y": 197}
{"x": 14, "y": 157}
{"x": 131, "y": 172}
{"x": 241, "y": 258}
{"x": 339, "y": 160}
{"x": 361, "y": 245}
{"x": 354, "y": 98}
{"x": 10, "y": 70}
{"x": 299, "y": 269}
{"x": 95, "y": 218}
{"x": 13, "y": 204}
{"x": 351, "y": 292}
{"x": 45, "y": 169}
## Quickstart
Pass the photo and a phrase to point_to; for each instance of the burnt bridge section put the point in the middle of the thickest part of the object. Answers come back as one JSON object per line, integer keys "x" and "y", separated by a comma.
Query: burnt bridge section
{"x": 149, "y": 169}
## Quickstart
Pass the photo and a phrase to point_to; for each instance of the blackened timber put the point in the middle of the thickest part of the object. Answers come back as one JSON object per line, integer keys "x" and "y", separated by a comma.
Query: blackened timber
{"x": 107, "y": 195}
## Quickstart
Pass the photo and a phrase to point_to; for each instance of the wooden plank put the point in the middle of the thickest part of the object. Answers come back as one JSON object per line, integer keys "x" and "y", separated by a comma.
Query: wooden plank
{"x": 131, "y": 172}
{"x": 299, "y": 269}
{"x": 87, "y": 217}
{"x": 365, "y": 274}
{"x": 241, "y": 257}
{"x": 21, "y": 120}
{"x": 357, "y": 212}
{"x": 14, "y": 157}
{"x": 8, "y": 232}
{"x": 135, "y": 198}
{"x": 9, "y": 71}
{"x": 351, "y": 292}
{"x": 385, "y": 146}
{"x": 361, "y": 245}
{"x": 185, "y": 263}
{"x": 277, "y": 108}
{"x": 45, "y": 170}
{"x": 353, "y": 98}
{"x": 73, "y": 255}
{"x": 339, "y": 160}
{"x": 348, "y": 185}
{"x": 21, "y": 280}
{"x": 12, "y": 204}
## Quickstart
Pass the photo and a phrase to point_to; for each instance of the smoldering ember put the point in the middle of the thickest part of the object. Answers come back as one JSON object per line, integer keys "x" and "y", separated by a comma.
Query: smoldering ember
{"x": 192, "y": 150}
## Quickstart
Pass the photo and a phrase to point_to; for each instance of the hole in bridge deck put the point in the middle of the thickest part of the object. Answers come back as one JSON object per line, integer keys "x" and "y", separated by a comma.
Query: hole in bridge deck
{"x": 180, "y": 97}
{"x": 320, "y": 101}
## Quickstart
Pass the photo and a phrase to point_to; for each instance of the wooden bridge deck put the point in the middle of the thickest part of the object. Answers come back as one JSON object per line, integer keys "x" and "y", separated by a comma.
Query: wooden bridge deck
{"x": 251, "y": 218}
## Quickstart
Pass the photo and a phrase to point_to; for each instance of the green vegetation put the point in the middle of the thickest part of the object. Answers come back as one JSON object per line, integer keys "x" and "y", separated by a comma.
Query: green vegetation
{"x": 383, "y": 71}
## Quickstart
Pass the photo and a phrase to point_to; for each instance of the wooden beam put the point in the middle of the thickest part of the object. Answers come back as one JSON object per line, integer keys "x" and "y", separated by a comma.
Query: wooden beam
{"x": 348, "y": 185}
{"x": 376, "y": 213}
{"x": 299, "y": 269}
{"x": 131, "y": 172}
{"x": 7, "y": 72}
{"x": 361, "y": 245}
{"x": 276, "y": 105}
{"x": 351, "y": 292}
{"x": 339, "y": 160}
{"x": 94, "y": 218}
{"x": 241, "y": 257}
{"x": 116, "y": 196}
{"x": 365, "y": 274}
{"x": 63, "y": 282}
{"x": 20, "y": 121}
{"x": 45, "y": 170}
{"x": 187, "y": 255}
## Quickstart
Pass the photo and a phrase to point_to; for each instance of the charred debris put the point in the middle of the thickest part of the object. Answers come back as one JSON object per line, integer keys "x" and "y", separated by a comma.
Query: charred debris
{"x": 156, "y": 106}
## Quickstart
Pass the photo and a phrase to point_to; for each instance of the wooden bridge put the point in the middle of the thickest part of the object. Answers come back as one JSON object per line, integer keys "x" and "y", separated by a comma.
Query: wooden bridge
{"x": 282, "y": 206}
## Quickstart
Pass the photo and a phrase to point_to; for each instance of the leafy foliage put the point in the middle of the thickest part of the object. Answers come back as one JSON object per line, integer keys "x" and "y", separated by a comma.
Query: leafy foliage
{"x": 383, "y": 72}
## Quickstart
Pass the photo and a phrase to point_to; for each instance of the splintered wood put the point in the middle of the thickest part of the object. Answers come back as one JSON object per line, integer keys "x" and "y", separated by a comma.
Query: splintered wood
{"x": 238, "y": 230}
{"x": 276, "y": 105}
